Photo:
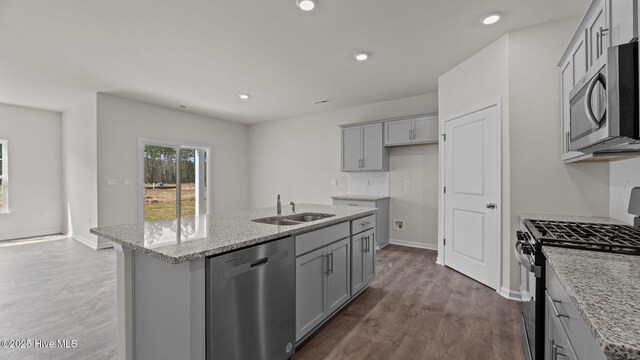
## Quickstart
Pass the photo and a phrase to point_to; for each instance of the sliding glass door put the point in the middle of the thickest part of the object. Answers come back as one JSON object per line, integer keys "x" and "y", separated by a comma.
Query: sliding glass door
{"x": 174, "y": 180}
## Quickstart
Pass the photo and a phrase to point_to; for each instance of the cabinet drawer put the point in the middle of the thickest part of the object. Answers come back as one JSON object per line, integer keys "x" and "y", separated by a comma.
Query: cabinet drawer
{"x": 320, "y": 238}
{"x": 580, "y": 338}
{"x": 362, "y": 224}
{"x": 354, "y": 203}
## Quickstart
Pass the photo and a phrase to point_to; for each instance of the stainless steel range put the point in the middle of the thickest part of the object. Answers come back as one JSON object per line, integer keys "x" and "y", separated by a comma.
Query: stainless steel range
{"x": 532, "y": 237}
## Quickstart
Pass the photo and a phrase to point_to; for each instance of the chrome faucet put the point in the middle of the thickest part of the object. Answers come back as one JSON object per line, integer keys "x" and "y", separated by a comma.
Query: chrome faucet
{"x": 293, "y": 207}
{"x": 279, "y": 206}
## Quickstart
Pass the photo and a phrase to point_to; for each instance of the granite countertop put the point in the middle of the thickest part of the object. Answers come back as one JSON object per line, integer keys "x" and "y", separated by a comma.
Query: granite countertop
{"x": 604, "y": 287}
{"x": 359, "y": 197}
{"x": 201, "y": 236}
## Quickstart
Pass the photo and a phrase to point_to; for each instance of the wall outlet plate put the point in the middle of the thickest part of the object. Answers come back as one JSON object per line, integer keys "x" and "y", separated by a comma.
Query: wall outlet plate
{"x": 398, "y": 225}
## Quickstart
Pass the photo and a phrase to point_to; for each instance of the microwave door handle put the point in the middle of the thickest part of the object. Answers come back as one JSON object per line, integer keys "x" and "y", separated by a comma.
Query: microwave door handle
{"x": 587, "y": 100}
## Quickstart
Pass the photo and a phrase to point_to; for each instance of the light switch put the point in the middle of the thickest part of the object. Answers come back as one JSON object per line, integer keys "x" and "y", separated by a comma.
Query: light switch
{"x": 111, "y": 182}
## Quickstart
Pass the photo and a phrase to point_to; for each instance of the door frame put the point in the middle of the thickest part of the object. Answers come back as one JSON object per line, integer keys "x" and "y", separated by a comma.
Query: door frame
{"x": 497, "y": 102}
{"x": 177, "y": 144}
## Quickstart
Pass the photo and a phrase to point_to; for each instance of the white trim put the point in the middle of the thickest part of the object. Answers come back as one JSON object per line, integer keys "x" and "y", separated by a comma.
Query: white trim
{"x": 31, "y": 234}
{"x": 4, "y": 195}
{"x": 510, "y": 294}
{"x": 84, "y": 241}
{"x": 497, "y": 102}
{"x": 413, "y": 244}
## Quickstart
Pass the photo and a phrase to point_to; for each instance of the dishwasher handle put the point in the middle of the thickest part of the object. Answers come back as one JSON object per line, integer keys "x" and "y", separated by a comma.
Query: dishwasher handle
{"x": 253, "y": 265}
{"x": 261, "y": 262}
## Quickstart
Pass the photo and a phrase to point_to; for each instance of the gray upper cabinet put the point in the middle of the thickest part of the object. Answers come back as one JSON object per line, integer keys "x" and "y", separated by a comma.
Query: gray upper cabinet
{"x": 606, "y": 23}
{"x": 420, "y": 129}
{"x": 362, "y": 148}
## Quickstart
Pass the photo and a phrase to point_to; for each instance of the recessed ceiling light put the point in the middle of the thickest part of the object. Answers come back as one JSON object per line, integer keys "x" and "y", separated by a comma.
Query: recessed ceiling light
{"x": 306, "y": 5}
{"x": 363, "y": 56}
{"x": 244, "y": 96}
{"x": 491, "y": 19}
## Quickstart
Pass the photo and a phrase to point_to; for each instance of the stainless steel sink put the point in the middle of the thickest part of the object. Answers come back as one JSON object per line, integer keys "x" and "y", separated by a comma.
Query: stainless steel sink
{"x": 307, "y": 217}
{"x": 295, "y": 219}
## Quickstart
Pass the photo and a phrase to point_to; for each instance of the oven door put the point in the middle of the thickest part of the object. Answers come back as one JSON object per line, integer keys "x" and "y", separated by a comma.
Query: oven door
{"x": 528, "y": 280}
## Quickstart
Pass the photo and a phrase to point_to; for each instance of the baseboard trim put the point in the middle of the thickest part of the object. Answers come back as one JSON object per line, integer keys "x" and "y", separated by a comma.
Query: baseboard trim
{"x": 413, "y": 244}
{"x": 31, "y": 234}
{"x": 510, "y": 294}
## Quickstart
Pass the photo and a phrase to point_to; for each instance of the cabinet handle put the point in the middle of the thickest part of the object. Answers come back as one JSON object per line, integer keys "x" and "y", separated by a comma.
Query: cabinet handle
{"x": 326, "y": 263}
{"x": 597, "y": 45}
{"x": 331, "y": 256}
{"x": 602, "y": 32}
{"x": 365, "y": 223}
{"x": 555, "y": 309}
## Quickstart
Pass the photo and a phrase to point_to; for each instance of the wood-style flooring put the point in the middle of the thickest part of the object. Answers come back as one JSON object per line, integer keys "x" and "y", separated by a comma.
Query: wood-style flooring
{"x": 55, "y": 288}
{"x": 416, "y": 309}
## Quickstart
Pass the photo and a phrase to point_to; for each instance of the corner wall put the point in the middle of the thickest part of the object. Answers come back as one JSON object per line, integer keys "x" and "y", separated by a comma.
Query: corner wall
{"x": 34, "y": 174}
{"x": 79, "y": 153}
{"x": 521, "y": 68}
{"x": 299, "y": 157}
{"x": 120, "y": 122}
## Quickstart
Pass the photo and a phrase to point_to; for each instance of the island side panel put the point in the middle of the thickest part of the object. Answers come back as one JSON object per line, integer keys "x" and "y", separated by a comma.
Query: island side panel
{"x": 168, "y": 309}
{"x": 124, "y": 301}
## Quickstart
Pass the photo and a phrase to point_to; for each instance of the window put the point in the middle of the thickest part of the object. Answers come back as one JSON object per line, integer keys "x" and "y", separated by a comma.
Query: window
{"x": 4, "y": 183}
{"x": 173, "y": 180}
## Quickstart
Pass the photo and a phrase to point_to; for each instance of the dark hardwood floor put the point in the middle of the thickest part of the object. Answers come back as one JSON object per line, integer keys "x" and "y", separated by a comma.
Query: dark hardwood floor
{"x": 416, "y": 309}
{"x": 56, "y": 288}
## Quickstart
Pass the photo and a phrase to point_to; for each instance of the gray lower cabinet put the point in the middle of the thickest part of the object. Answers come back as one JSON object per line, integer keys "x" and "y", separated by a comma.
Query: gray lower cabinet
{"x": 322, "y": 284}
{"x": 382, "y": 216}
{"x": 567, "y": 335}
{"x": 363, "y": 260}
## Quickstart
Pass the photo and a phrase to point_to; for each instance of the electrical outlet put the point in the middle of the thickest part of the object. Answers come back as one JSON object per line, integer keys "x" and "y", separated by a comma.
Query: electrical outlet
{"x": 398, "y": 225}
{"x": 368, "y": 182}
{"x": 334, "y": 183}
{"x": 47, "y": 214}
{"x": 111, "y": 182}
{"x": 128, "y": 182}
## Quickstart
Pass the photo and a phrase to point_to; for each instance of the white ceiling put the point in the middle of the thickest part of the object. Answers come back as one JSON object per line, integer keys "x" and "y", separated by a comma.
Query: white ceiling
{"x": 203, "y": 53}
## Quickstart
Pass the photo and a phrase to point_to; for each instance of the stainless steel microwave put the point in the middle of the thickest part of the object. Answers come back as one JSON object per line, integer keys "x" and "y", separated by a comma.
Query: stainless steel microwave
{"x": 604, "y": 105}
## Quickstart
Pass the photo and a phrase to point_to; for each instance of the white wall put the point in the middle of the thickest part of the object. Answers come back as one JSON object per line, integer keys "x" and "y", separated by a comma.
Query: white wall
{"x": 122, "y": 121}
{"x": 299, "y": 157}
{"x": 79, "y": 164}
{"x": 534, "y": 177}
{"x": 623, "y": 176}
{"x": 479, "y": 79}
{"x": 35, "y": 176}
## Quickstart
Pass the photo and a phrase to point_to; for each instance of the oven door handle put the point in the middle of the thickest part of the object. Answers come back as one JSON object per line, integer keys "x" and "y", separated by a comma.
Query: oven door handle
{"x": 536, "y": 270}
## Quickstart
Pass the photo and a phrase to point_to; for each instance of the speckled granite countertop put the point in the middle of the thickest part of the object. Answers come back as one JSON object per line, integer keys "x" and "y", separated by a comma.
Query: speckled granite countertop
{"x": 604, "y": 287}
{"x": 206, "y": 235}
{"x": 359, "y": 197}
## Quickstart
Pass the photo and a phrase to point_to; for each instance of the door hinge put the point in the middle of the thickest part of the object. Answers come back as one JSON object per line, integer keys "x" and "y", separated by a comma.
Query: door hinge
{"x": 445, "y": 189}
{"x": 444, "y": 137}
{"x": 444, "y": 241}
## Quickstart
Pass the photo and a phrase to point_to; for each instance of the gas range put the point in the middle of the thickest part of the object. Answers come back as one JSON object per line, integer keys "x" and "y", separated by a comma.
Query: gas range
{"x": 623, "y": 239}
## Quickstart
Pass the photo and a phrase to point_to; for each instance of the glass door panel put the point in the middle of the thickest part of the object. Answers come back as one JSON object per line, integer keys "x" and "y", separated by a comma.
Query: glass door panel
{"x": 160, "y": 178}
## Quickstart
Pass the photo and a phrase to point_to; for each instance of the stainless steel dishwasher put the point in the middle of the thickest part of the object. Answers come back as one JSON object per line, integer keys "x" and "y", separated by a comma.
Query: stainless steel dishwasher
{"x": 251, "y": 303}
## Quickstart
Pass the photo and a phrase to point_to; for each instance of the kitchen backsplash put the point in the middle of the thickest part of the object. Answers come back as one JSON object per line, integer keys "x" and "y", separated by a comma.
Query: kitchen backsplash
{"x": 370, "y": 183}
{"x": 623, "y": 176}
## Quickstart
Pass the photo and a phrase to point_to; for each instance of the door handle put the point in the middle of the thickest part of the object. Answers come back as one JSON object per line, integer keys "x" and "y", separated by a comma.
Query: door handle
{"x": 491, "y": 206}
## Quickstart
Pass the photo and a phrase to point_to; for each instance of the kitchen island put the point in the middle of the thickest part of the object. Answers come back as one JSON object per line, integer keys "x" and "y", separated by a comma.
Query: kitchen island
{"x": 162, "y": 271}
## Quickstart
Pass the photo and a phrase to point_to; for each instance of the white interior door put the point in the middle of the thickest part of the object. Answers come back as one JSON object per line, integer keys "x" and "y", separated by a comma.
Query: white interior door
{"x": 472, "y": 190}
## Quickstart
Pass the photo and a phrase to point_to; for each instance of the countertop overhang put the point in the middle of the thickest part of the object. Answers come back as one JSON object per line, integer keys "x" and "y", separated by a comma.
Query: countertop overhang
{"x": 194, "y": 237}
{"x": 604, "y": 287}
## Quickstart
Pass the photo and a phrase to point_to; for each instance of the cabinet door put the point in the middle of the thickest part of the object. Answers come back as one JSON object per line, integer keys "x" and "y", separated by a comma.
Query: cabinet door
{"x": 557, "y": 345}
{"x": 338, "y": 280}
{"x": 352, "y": 148}
{"x": 369, "y": 257}
{"x": 358, "y": 247}
{"x": 397, "y": 132}
{"x": 579, "y": 59}
{"x": 311, "y": 303}
{"x": 425, "y": 129}
{"x": 597, "y": 35}
{"x": 621, "y": 21}
{"x": 372, "y": 144}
